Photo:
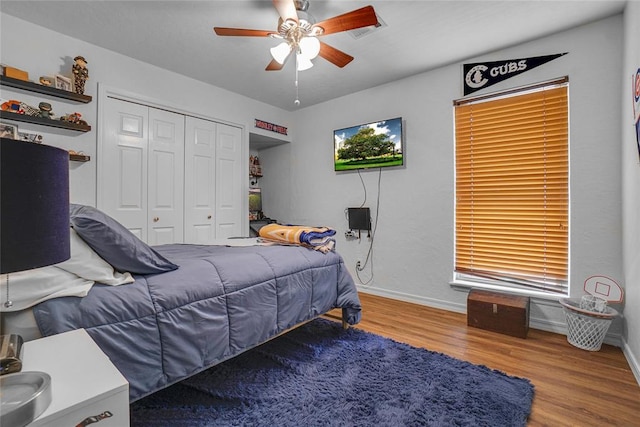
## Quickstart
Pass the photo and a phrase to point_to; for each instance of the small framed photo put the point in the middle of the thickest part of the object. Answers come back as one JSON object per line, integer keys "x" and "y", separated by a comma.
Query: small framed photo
{"x": 8, "y": 131}
{"x": 63, "y": 82}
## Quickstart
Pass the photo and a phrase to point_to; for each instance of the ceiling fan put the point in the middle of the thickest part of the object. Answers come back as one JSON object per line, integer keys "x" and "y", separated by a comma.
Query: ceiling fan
{"x": 299, "y": 32}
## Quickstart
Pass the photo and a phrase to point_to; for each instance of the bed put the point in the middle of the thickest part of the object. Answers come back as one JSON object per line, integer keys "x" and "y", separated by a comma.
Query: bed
{"x": 186, "y": 307}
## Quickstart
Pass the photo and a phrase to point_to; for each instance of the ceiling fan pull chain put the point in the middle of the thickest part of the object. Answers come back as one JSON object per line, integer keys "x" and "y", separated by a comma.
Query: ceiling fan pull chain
{"x": 297, "y": 101}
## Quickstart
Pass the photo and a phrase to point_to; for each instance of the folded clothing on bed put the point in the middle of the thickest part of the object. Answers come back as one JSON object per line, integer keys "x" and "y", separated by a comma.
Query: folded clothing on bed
{"x": 318, "y": 238}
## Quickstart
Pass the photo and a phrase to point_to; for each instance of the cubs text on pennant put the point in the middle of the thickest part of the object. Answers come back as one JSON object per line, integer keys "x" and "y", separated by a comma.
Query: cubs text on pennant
{"x": 484, "y": 74}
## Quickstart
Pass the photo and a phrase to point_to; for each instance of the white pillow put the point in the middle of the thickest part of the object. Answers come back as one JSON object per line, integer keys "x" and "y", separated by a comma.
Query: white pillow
{"x": 73, "y": 277}
{"x": 86, "y": 263}
{"x": 28, "y": 288}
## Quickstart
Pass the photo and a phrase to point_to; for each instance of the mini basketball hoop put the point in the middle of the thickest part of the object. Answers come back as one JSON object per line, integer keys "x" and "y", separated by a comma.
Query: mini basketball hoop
{"x": 605, "y": 288}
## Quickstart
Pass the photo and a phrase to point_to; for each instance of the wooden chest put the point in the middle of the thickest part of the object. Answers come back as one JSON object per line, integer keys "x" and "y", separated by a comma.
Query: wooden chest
{"x": 498, "y": 312}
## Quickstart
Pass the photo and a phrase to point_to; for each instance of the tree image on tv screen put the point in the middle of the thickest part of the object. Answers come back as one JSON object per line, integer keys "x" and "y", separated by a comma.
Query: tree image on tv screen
{"x": 374, "y": 145}
{"x": 365, "y": 144}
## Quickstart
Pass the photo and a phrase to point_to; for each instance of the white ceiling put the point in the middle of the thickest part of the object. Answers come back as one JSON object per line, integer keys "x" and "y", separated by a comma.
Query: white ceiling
{"x": 418, "y": 36}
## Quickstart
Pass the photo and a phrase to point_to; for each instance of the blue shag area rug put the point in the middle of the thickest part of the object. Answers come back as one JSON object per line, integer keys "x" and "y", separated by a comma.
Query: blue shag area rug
{"x": 322, "y": 375}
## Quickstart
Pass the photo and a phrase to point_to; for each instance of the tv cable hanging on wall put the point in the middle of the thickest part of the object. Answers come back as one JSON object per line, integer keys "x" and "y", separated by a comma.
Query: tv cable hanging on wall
{"x": 362, "y": 218}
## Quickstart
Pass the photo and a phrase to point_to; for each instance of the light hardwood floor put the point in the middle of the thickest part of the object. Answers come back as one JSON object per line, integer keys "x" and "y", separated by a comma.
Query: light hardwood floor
{"x": 573, "y": 387}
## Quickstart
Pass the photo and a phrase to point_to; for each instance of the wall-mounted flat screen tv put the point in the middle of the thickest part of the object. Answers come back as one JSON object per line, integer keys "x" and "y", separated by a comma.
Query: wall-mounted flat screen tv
{"x": 371, "y": 145}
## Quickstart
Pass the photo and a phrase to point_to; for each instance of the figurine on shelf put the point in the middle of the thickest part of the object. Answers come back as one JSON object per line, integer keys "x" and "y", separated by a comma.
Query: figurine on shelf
{"x": 46, "y": 81}
{"x": 75, "y": 118}
{"x": 45, "y": 110}
{"x": 80, "y": 74}
{"x": 255, "y": 169}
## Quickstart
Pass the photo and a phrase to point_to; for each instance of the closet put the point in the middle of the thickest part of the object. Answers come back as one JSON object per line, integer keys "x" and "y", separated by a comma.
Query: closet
{"x": 213, "y": 185}
{"x": 169, "y": 177}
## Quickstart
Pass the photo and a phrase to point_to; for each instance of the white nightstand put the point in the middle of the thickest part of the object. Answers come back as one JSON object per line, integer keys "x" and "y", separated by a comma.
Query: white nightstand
{"x": 84, "y": 382}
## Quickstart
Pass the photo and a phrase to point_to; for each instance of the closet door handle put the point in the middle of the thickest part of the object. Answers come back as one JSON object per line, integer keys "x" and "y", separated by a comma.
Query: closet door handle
{"x": 208, "y": 216}
{"x": 156, "y": 219}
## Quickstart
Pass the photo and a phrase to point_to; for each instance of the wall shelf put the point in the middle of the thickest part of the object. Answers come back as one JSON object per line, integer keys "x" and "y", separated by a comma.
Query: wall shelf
{"x": 7, "y": 115}
{"x": 45, "y": 90}
{"x": 79, "y": 157}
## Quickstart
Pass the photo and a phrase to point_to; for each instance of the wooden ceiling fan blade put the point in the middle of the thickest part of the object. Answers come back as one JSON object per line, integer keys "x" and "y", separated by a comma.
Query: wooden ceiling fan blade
{"x": 274, "y": 66}
{"x": 286, "y": 9}
{"x": 334, "y": 55}
{"x": 359, "y": 18}
{"x": 242, "y": 32}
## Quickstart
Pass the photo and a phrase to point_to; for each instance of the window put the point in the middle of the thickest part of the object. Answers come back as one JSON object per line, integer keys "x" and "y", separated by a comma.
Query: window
{"x": 512, "y": 187}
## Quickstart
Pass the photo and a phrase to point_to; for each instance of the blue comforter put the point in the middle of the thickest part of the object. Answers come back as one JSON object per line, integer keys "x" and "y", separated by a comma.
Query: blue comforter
{"x": 220, "y": 302}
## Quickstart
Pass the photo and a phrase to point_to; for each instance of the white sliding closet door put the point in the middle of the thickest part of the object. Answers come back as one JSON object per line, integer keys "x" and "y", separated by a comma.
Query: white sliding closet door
{"x": 141, "y": 170}
{"x": 170, "y": 177}
{"x": 199, "y": 179}
{"x": 122, "y": 165}
{"x": 229, "y": 189}
{"x": 213, "y": 181}
{"x": 166, "y": 177}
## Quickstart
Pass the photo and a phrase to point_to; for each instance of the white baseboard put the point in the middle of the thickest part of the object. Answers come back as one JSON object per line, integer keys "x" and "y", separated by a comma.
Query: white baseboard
{"x": 548, "y": 325}
{"x": 632, "y": 360}
{"x": 429, "y": 302}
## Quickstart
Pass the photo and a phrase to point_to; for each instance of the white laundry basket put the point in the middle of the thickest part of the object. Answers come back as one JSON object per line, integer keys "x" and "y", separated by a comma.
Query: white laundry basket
{"x": 586, "y": 329}
{"x": 587, "y": 324}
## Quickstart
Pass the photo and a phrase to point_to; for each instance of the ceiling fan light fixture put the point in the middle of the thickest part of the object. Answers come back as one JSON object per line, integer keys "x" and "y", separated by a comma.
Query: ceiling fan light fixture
{"x": 280, "y": 52}
{"x": 309, "y": 47}
{"x": 303, "y": 63}
{"x": 298, "y": 31}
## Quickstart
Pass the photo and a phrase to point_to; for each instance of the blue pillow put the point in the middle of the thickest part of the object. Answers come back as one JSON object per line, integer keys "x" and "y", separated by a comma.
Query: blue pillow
{"x": 115, "y": 244}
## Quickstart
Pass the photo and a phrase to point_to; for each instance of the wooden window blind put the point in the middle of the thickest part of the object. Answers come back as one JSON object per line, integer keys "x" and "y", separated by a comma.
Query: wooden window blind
{"x": 512, "y": 188}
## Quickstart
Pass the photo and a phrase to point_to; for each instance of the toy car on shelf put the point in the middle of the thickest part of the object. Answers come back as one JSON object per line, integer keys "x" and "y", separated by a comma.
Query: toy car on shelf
{"x": 18, "y": 107}
{"x": 13, "y": 106}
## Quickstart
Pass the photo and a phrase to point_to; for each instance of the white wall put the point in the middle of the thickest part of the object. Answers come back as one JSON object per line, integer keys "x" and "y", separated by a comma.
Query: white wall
{"x": 631, "y": 191}
{"x": 43, "y": 52}
{"x": 413, "y": 251}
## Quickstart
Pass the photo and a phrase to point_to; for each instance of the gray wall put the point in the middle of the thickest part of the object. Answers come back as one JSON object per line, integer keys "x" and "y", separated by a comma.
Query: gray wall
{"x": 631, "y": 191}
{"x": 413, "y": 250}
